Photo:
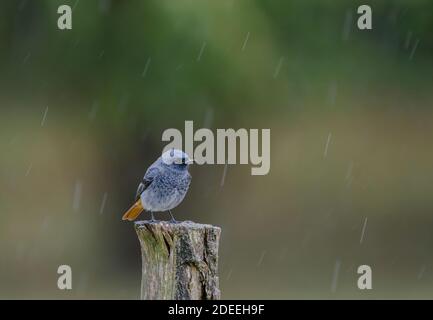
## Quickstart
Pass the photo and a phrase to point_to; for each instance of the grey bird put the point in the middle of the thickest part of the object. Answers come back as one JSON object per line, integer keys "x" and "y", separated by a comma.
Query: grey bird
{"x": 164, "y": 185}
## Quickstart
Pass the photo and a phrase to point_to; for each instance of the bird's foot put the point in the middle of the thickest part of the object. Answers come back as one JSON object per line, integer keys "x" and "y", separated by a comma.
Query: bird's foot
{"x": 152, "y": 218}
{"x": 172, "y": 220}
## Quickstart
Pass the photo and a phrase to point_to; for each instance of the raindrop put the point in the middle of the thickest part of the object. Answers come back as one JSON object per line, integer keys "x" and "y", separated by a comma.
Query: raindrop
{"x": 229, "y": 274}
{"x": 262, "y": 256}
{"x": 421, "y": 272}
{"x": 363, "y": 231}
{"x": 77, "y": 196}
{"x": 201, "y": 51}
{"x": 223, "y": 179}
{"x": 29, "y": 168}
{"x": 93, "y": 110}
{"x": 146, "y": 67}
{"x": 334, "y": 282}
{"x": 104, "y": 6}
{"x": 415, "y": 46}
{"x": 28, "y": 55}
{"x": 104, "y": 201}
{"x": 325, "y": 153}
{"x": 277, "y": 69}
{"x": 208, "y": 118}
{"x": 75, "y": 4}
{"x": 347, "y": 24}
{"x": 245, "y": 41}
{"x": 44, "y": 117}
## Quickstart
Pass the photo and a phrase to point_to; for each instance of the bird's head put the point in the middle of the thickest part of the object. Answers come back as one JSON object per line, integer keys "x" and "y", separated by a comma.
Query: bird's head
{"x": 177, "y": 159}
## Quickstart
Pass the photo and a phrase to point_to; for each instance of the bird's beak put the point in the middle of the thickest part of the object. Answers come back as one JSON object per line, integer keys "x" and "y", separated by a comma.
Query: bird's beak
{"x": 190, "y": 161}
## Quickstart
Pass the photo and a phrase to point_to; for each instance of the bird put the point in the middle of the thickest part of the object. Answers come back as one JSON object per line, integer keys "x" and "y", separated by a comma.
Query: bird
{"x": 163, "y": 186}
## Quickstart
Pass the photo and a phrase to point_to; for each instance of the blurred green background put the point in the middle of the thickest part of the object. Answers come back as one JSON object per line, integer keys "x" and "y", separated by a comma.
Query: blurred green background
{"x": 350, "y": 112}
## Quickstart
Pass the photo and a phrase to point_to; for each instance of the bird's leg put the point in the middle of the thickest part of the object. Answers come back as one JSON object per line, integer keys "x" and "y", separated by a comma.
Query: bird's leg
{"x": 152, "y": 217}
{"x": 173, "y": 220}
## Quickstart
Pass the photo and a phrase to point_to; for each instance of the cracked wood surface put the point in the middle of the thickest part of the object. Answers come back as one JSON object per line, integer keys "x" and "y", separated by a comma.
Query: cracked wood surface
{"x": 179, "y": 260}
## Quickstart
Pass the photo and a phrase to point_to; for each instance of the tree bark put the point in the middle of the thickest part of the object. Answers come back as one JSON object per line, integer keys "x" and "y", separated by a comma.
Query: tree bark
{"x": 179, "y": 260}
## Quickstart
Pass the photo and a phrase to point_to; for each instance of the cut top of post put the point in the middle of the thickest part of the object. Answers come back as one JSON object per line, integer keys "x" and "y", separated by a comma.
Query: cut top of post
{"x": 179, "y": 260}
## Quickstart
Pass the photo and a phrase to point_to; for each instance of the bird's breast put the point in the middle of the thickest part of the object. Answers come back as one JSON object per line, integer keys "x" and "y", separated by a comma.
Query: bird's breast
{"x": 165, "y": 193}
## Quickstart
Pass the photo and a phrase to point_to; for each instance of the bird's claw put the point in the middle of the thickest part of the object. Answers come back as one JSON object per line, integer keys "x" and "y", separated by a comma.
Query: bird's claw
{"x": 152, "y": 218}
{"x": 172, "y": 220}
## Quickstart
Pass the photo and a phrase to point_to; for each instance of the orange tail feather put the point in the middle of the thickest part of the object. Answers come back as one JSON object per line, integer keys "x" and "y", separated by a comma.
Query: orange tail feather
{"x": 134, "y": 211}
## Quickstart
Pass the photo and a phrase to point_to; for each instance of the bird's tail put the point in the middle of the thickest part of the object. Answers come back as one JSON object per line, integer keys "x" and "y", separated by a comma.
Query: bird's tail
{"x": 134, "y": 211}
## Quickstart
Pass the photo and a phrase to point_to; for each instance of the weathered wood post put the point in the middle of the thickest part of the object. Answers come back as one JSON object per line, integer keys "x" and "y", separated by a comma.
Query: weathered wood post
{"x": 179, "y": 260}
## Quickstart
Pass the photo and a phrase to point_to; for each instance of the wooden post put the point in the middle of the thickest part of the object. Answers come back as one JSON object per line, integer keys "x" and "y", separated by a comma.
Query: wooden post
{"x": 179, "y": 260}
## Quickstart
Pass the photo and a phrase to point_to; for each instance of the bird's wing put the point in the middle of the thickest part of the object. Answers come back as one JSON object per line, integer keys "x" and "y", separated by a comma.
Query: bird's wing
{"x": 148, "y": 178}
